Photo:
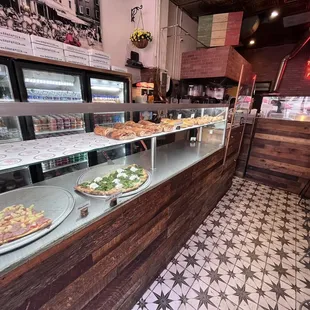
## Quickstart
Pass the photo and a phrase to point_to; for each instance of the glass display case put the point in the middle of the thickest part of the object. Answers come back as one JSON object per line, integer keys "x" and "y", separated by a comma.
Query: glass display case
{"x": 9, "y": 126}
{"x": 40, "y": 83}
{"x": 104, "y": 90}
{"x": 6, "y": 93}
{"x": 119, "y": 180}
{"x": 46, "y": 86}
{"x": 10, "y": 129}
{"x": 289, "y": 108}
{"x": 14, "y": 179}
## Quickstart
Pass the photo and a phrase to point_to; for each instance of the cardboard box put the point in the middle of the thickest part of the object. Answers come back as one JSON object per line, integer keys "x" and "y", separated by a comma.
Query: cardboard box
{"x": 99, "y": 65}
{"x": 119, "y": 69}
{"x": 14, "y": 43}
{"x": 75, "y": 49}
{"x": 39, "y": 48}
{"x": 46, "y": 53}
{"x": 100, "y": 60}
{"x": 98, "y": 54}
{"x": 76, "y": 58}
{"x": 83, "y": 59}
{"x": 14, "y": 49}
{"x": 14, "y": 35}
{"x": 75, "y": 61}
{"x": 47, "y": 42}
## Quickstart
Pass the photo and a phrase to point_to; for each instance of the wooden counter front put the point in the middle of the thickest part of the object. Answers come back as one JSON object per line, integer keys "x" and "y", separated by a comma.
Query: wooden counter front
{"x": 109, "y": 264}
{"x": 280, "y": 154}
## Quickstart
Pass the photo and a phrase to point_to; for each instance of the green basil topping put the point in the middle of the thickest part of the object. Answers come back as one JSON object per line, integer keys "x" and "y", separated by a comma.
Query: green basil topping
{"x": 107, "y": 183}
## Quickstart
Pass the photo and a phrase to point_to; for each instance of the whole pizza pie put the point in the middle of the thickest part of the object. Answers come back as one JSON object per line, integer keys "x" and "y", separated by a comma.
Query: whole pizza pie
{"x": 18, "y": 221}
{"x": 122, "y": 180}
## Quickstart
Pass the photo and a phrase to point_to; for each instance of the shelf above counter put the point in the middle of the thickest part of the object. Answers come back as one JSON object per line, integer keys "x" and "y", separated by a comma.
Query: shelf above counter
{"x": 13, "y": 155}
{"x": 33, "y": 109}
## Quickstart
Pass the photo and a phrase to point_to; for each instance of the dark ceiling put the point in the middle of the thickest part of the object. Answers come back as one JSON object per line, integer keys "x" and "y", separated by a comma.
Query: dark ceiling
{"x": 270, "y": 32}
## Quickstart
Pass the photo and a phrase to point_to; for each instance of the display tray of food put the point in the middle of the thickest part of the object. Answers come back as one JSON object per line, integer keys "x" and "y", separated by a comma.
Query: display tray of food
{"x": 131, "y": 130}
{"x": 24, "y": 153}
{"x": 109, "y": 180}
{"x": 29, "y": 213}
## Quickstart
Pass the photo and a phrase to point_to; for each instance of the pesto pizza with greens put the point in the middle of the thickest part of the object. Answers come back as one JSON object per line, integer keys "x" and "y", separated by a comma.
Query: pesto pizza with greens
{"x": 122, "y": 180}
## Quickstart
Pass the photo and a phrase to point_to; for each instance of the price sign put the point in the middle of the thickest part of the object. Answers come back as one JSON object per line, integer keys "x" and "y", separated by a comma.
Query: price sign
{"x": 113, "y": 199}
{"x": 83, "y": 208}
{"x": 179, "y": 116}
{"x": 192, "y": 115}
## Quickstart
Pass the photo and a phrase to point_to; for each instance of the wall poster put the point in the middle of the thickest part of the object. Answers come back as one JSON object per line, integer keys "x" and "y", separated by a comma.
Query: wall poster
{"x": 75, "y": 22}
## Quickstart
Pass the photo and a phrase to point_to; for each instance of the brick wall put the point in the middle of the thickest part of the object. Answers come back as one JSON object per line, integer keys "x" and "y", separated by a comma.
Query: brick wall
{"x": 234, "y": 64}
{"x": 266, "y": 61}
{"x": 213, "y": 62}
{"x": 204, "y": 63}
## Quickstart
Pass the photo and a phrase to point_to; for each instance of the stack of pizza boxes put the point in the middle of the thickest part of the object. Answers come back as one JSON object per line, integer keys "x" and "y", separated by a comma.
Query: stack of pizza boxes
{"x": 15, "y": 42}
{"x": 99, "y": 59}
{"x": 119, "y": 69}
{"x": 76, "y": 55}
{"x": 47, "y": 48}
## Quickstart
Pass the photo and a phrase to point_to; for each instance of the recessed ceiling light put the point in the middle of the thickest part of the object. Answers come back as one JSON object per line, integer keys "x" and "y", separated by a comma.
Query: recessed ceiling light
{"x": 252, "y": 42}
{"x": 274, "y": 14}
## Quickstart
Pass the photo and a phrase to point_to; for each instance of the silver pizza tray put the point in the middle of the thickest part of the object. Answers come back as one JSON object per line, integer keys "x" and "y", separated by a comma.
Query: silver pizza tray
{"x": 56, "y": 202}
{"x": 95, "y": 172}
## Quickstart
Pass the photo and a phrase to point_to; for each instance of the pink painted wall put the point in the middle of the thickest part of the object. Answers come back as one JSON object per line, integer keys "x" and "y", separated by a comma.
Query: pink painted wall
{"x": 117, "y": 27}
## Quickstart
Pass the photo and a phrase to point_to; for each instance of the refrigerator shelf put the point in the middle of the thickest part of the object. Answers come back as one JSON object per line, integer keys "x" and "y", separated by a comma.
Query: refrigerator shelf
{"x": 56, "y": 101}
{"x": 105, "y": 124}
{"x": 64, "y": 166}
{"x": 109, "y": 112}
{"x": 37, "y": 151}
{"x": 39, "y": 133}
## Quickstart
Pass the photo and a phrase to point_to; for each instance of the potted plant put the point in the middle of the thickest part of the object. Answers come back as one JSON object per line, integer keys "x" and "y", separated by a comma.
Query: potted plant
{"x": 141, "y": 38}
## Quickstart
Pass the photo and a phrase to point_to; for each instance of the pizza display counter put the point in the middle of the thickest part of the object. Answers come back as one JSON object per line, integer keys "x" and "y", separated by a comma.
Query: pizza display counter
{"x": 105, "y": 245}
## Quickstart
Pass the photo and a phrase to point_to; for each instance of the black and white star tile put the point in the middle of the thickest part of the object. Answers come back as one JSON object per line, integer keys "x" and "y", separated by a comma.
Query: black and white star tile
{"x": 246, "y": 255}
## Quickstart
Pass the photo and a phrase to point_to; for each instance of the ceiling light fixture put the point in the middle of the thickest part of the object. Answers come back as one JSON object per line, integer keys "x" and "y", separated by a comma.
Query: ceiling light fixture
{"x": 252, "y": 42}
{"x": 274, "y": 14}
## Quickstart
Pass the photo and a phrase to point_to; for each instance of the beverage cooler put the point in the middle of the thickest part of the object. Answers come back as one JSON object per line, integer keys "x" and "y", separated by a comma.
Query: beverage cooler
{"x": 104, "y": 89}
{"x": 48, "y": 83}
{"x": 10, "y": 128}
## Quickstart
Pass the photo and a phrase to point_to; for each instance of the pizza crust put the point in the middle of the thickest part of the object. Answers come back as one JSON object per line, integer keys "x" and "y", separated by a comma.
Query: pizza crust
{"x": 95, "y": 192}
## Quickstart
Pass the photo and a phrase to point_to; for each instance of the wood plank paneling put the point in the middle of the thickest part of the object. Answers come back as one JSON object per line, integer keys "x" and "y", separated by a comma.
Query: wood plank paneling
{"x": 110, "y": 263}
{"x": 280, "y": 154}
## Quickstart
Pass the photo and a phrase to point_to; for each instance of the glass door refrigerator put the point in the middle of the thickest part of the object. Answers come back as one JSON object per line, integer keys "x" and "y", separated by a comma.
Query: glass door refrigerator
{"x": 10, "y": 129}
{"x": 108, "y": 89}
{"x": 47, "y": 83}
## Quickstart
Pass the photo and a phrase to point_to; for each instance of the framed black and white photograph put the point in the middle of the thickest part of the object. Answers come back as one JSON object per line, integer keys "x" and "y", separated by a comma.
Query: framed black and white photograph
{"x": 74, "y": 22}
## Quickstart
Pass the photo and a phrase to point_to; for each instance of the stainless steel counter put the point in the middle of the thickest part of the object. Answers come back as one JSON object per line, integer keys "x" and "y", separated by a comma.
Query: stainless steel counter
{"x": 171, "y": 160}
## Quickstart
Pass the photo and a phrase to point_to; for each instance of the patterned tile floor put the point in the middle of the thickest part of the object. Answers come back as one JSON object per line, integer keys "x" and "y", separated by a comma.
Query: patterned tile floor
{"x": 244, "y": 256}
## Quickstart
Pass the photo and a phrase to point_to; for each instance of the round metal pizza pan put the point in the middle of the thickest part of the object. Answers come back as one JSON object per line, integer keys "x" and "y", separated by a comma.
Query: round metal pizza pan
{"x": 95, "y": 172}
{"x": 56, "y": 202}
